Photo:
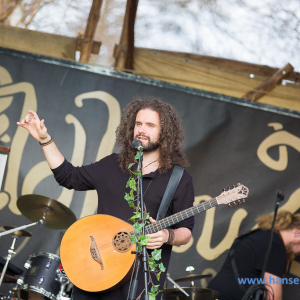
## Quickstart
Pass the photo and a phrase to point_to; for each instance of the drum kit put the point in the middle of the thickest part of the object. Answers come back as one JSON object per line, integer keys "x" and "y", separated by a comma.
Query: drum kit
{"x": 192, "y": 292}
{"x": 44, "y": 277}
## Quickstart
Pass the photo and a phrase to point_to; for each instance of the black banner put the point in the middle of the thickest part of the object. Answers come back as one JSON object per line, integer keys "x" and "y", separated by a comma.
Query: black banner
{"x": 227, "y": 141}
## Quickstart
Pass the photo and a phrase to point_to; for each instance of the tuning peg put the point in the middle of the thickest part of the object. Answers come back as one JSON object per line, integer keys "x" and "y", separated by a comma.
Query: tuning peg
{"x": 234, "y": 204}
{"x": 238, "y": 184}
{"x": 228, "y": 188}
{"x": 224, "y": 189}
{"x": 229, "y": 205}
{"x": 233, "y": 186}
{"x": 239, "y": 202}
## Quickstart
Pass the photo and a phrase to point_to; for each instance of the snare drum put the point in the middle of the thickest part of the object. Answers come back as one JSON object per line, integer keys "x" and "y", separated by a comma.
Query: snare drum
{"x": 40, "y": 278}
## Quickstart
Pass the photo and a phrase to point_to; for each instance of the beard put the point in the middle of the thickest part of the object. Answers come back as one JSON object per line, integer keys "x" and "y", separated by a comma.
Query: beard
{"x": 150, "y": 146}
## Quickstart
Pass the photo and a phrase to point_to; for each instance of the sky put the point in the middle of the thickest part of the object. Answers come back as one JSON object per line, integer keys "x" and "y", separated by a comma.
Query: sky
{"x": 235, "y": 29}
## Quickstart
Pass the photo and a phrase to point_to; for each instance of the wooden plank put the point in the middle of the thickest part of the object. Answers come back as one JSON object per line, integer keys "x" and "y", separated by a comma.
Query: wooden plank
{"x": 124, "y": 53}
{"x": 90, "y": 31}
{"x": 41, "y": 43}
{"x": 269, "y": 84}
{"x": 229, "y": 64}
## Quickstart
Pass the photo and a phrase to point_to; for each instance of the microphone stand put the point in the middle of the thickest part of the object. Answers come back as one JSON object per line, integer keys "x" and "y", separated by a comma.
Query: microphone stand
{"x": 279, "y": 198}
{"x": 143, "y": 256}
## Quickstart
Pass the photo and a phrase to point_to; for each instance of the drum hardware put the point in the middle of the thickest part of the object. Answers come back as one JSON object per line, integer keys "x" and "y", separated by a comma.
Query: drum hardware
{"x": 16, "y": 233}
{"x": 176, "y": 285}
{"x": 195, "y": 293}
{"x": 191, "y": 276}
{"x": 63, "y": 280}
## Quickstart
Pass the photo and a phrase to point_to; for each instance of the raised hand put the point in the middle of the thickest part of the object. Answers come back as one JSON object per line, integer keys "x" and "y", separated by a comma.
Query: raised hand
{"x": 35, "y": 126}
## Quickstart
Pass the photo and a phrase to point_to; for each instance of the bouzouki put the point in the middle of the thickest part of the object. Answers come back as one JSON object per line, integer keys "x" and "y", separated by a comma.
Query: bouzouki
{"x": 96, "y": 250}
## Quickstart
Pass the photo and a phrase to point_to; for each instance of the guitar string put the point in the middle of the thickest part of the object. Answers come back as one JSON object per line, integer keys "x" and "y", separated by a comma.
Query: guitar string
{"x": 205, "y": 206}
{"x": 189, "y": 213}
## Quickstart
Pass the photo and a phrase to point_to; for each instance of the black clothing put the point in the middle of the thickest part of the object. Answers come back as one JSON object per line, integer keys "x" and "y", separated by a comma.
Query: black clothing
{"x": 249, "y": 256}
{"x": 109, "y": 181}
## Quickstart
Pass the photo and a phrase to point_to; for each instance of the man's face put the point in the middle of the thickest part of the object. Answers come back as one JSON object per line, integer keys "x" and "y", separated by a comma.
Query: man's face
{"x": 147, "y": 129}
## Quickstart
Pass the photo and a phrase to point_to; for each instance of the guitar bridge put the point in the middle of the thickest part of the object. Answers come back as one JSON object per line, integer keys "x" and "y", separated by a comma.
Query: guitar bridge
{"x": 95, "y": 253}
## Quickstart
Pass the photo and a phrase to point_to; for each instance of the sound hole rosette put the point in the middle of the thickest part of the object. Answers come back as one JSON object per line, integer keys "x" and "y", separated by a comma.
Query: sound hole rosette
{"x": 121, "y": 241}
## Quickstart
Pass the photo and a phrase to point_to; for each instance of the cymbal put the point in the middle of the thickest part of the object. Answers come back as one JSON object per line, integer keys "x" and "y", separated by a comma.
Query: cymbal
{"x": 9, "y": 279}
{"x": 58, "y": 215}
{"x": 191, "y": 277}
{"x": 18, "y": 233}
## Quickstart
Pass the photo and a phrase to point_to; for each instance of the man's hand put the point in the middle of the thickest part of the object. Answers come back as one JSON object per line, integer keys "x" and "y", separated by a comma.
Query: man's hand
{"x": 35, "y": 126}
{"x": 157, "y": 238}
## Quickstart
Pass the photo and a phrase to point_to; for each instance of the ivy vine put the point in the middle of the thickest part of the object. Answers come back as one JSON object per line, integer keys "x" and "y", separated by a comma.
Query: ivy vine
{"x": 138, "y": 223}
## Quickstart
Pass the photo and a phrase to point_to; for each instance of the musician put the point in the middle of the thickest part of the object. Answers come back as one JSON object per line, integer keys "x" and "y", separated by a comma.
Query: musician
{"x": 246, "y": 257}
{"x": 157, "y": 125}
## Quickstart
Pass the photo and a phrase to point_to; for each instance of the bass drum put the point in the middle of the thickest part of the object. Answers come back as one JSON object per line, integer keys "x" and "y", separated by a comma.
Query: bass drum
{"x": 40, "y": 278}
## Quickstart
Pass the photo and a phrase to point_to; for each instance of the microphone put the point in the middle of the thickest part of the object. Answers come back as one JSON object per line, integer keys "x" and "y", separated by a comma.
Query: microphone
{"x": 137, "y": 144}
{"x": 280, "y": 195}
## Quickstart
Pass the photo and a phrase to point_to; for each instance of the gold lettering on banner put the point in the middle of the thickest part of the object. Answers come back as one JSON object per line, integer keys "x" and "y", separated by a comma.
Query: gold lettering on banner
{"x": 107, "y": 143}
{"x": 203, "y": 244}
{"x": 280, "y": 138}
{"x": 19, "y": 140}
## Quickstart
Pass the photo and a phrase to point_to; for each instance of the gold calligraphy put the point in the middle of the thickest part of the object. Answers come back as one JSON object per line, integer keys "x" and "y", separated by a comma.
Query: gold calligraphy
{"x": 280, "y": 138}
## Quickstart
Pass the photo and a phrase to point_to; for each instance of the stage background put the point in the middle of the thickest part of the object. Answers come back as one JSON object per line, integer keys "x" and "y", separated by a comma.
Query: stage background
{"x": 228, "y": 140}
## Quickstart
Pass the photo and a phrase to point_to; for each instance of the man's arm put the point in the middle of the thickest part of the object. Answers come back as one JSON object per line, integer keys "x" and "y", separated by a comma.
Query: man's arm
{"x": 175, "y": 237}
{"x": 275, "y": 288}
{"x": 38, "y": 130}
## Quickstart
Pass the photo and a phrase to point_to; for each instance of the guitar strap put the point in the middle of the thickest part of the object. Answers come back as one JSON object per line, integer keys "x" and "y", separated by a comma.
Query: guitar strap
{"x": 170, "y": 191}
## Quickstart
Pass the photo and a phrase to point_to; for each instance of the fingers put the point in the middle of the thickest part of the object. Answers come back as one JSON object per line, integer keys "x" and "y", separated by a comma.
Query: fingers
{"x": 151, "y": 220}
{"x": 33, "y": 114}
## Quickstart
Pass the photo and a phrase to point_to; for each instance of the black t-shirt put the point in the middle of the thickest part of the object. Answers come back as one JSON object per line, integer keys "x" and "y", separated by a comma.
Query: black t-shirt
{"x": 106, "y": 177}
{"x": 249, "y": 255}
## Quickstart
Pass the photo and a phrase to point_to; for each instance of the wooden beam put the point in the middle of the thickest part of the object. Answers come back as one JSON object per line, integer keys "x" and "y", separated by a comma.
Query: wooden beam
{"x": 230, "y": 64}
{"x": 269, "y": 84}
{"x": 90, "y": 31}
{"x": 124, "y": 53}
{"x": 95, "y": 45}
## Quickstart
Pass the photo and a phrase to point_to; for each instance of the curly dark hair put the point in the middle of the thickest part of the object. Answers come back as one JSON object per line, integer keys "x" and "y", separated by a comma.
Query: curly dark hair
{"x": 170, "y": 139}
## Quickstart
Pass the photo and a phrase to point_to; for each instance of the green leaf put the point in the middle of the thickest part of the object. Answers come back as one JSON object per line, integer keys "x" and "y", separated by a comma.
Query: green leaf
{"x": 152, "y": 296}
{"x": 132, "y": 184}
{"x": 161, "y": 267}
{"x": 131, "y": 204}
{"x": 138, "y": 227}
{"x": 137, "y": 156}
{"x": 144, "y": 240}
{"x": 137, "y": 215}
{"x": 128, "y": 197}
{"x": 152, "y": 266}
{"x": 156, "y": 254}
{"x": 158, "y": 276}
{"x": 133, "y": 239}
{"x": 154, "y": 288}
{"x": 136, "y": 173}
{"x": 131, "y": 165}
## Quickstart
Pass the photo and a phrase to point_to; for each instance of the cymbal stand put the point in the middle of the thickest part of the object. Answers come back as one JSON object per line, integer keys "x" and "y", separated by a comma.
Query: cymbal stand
{"x": 177, "y": 285}
{"x": 10, "y": 253}
{"x": 42, "y": 222}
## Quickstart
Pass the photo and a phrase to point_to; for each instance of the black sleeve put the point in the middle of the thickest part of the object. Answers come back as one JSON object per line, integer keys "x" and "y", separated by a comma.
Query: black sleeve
{"x": 277, "y": 259}
{"x": 77, "y": 178}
